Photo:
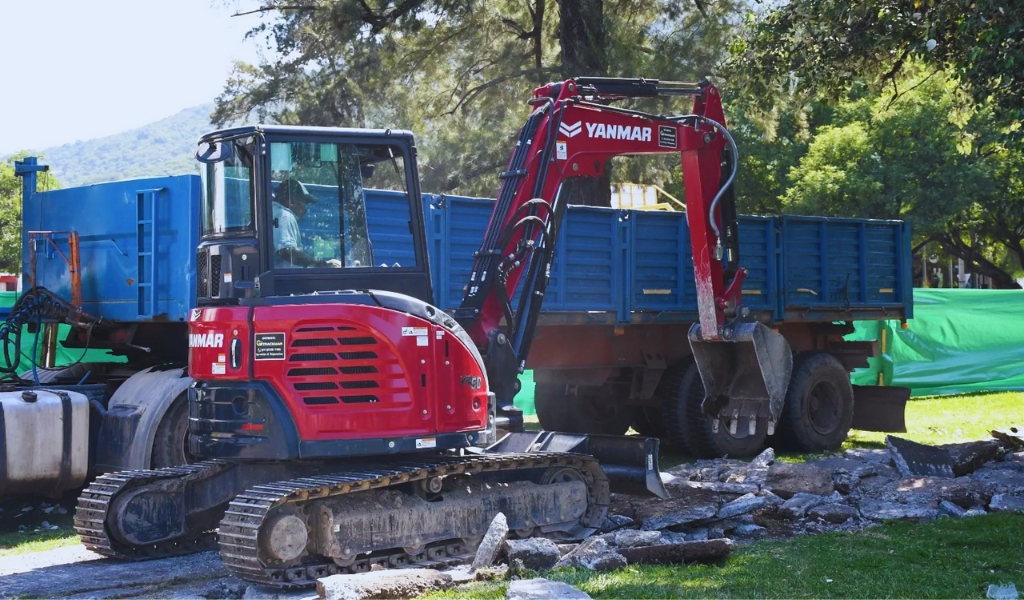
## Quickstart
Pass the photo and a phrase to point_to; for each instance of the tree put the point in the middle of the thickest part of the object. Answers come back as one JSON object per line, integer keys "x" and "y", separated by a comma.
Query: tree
{"x": 10, "y": 213}
{"x": 826, "y": 45}
{"x": 459, "y": 73}
{"x": 918, "y": 159}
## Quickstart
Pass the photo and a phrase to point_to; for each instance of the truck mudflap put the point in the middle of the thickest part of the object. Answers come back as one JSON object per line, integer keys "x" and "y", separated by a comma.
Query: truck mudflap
{"x": 745, "y": 370}
{"x": 631, "y": 462}
{"x": 880, "y": 408}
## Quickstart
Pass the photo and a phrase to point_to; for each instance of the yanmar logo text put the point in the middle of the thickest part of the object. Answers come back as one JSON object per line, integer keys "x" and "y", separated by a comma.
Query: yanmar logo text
{"x": 206, "y": 340}
{"x": 605, "y": 131}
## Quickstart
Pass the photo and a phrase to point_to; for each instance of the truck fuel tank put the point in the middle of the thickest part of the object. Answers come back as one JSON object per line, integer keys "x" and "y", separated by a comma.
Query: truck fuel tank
{"x": 44, "y": 441}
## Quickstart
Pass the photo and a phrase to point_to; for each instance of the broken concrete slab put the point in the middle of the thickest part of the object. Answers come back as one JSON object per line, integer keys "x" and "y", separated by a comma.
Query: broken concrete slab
{"x": 631, "y": 538}
{"x": 833, "y": 513}
{"x": 787, "y": 479}
{"x": 764, "y": 459}
{"x": 843, "y": 481}
{"x": 614, "y": 522}
{"x": 755, "y": 476}
{"x": 265, "y": 592}
{"x": 595, "y": 554}
{"x": 750, "y": 530}
{"x": 543, "y": 589}
{"x": 461, "y": 574}
{"x": 1012, "y": 436}
{"x": 491, "y": 573}
{"x": 742, "y": 505}
{"x": 564, "y": 549}
{"x": 879, "y": 510}
{"x": 537, "y": 554}
{"x": 716, "y": 487}
{"x": 688, "y": 515}
{"x": 1005, "y": 503}
{"x": 697, "y": 535}
{"x": 673, "y": 554}
{"x": 801, "y": 502}
{"x": 969, "y": 457}
{"x": 492, "y": 543}
{"x": 389, "y": 583}
{"x": 950, "y": 509}
{"x": 921, "y": 460}
{"x": 1000, "y": 478}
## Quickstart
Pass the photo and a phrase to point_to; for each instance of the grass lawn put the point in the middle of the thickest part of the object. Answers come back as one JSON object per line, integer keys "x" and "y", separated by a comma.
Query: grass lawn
{"x": 941, "y": 559}
{"x": 18, "y": 527}
{"x": 947, "y": 559}
{"x": 951, "y": 419}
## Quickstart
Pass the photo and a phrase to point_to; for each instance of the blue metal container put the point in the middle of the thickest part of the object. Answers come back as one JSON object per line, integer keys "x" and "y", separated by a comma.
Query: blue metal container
{"x": 137, "y": 243}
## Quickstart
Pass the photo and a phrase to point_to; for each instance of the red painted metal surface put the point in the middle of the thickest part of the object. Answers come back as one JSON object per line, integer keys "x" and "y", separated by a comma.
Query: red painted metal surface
{"x": 347, "y": 371}
{"x": 587, "y": 136}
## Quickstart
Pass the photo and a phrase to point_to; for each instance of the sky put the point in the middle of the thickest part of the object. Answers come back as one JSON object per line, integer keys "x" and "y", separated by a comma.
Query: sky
{"x": 80, "y": 69}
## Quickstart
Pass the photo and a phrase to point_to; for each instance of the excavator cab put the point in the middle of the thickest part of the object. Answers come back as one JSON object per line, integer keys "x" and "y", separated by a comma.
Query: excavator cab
{"x": 296, "y": 210}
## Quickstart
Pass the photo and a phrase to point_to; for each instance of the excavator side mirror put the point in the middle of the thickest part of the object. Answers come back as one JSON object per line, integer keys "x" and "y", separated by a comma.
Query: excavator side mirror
{"x": 214, "y": 152}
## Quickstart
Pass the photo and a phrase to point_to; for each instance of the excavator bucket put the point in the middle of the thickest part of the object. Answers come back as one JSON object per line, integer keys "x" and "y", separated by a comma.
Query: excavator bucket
{"x": 631, "y": 462}
{"x": 745, "y": 372}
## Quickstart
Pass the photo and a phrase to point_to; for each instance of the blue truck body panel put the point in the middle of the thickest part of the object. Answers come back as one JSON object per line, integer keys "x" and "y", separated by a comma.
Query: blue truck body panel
{"x": 137, "y": 242}
{"x": 612, "y": 266}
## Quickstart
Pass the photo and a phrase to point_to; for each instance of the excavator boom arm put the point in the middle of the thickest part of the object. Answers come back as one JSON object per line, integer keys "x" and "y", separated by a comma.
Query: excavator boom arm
{"x": 573, "y": 132}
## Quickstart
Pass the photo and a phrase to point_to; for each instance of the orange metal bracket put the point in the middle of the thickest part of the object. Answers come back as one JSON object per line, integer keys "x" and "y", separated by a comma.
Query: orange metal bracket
{"x": 73, "y": 261}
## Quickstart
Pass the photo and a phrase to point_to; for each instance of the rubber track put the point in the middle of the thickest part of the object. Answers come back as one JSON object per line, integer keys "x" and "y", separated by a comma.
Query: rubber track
{"x": 94, "y": 503}
{"x": 239, "y": 529}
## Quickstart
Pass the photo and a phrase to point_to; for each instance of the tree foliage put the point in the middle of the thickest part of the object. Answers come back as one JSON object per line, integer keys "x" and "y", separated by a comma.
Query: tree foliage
{"x": 458, "y": 73}
{"x": 920, "y": 159}
{"x": 826, "y": 45}
{"x": 10, "y": 212}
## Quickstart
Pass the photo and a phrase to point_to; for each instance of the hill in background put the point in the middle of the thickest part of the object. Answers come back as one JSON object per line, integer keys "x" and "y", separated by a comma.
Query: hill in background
{"x": 165, "y": 147}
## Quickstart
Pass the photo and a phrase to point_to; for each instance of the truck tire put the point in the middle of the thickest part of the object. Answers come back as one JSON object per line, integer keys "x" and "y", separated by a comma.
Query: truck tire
{"x": 649, "y": 421}
{"x": 818, "y": 411}
{"x": 170, "y": 446}
{"x": 589, "y": 410}
{"x": 688, "y": 427}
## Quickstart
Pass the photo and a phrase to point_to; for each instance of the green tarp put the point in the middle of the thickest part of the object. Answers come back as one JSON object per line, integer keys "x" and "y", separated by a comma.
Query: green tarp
{"x": 960, "y": 341}
{"x": 65, "y": 356}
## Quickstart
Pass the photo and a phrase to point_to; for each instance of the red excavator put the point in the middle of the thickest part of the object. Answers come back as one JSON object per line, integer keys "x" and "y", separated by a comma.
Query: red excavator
{"x": 338, "y": 420}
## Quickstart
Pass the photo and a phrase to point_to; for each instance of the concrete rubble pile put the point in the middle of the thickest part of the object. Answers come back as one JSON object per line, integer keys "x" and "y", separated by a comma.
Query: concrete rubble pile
{"x": 718, "y": 504}
{"x": 743, "y": 501}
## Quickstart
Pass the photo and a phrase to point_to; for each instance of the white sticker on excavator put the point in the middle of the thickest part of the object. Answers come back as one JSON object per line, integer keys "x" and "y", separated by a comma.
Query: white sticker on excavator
{"x": 422, "y": 340}
{"x": 561, "y": 153}
{"x": 426, "y": 443}
{"x": 414, "y": 331}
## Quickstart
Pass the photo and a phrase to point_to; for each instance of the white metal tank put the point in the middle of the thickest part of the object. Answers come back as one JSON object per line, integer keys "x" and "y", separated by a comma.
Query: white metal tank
{"x": 45, "y": 441}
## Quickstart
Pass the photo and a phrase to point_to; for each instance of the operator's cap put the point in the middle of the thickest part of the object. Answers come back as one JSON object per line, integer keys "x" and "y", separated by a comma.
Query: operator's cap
{"x": 293, "y": 190}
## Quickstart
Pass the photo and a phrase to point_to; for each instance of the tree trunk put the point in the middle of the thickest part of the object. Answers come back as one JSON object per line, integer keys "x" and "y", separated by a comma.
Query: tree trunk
{"x": 583, "y": 40}
{"x": 953, "y": 244}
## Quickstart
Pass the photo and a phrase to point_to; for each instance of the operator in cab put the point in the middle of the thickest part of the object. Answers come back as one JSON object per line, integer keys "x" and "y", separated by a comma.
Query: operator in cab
{"x": 290, "y": 201}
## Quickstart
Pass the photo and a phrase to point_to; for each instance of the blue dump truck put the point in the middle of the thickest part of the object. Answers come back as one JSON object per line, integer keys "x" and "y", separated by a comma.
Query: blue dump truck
{"x": 611, "y": 351}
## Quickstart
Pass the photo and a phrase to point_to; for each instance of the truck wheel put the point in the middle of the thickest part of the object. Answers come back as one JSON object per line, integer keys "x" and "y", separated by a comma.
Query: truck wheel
{"x": 590, "y": 410}
{"x": 649, "y": 422}
{"x": 170, "y": 446}
{"x": 687, "y": 426}
{"x": 553, "y": 407}
{"x": 818, "y": 411}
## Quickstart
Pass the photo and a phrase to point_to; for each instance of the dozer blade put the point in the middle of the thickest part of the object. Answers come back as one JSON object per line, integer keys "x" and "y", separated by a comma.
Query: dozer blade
{"x": 745, "y": 371}
{"x": 631, "y": 462}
